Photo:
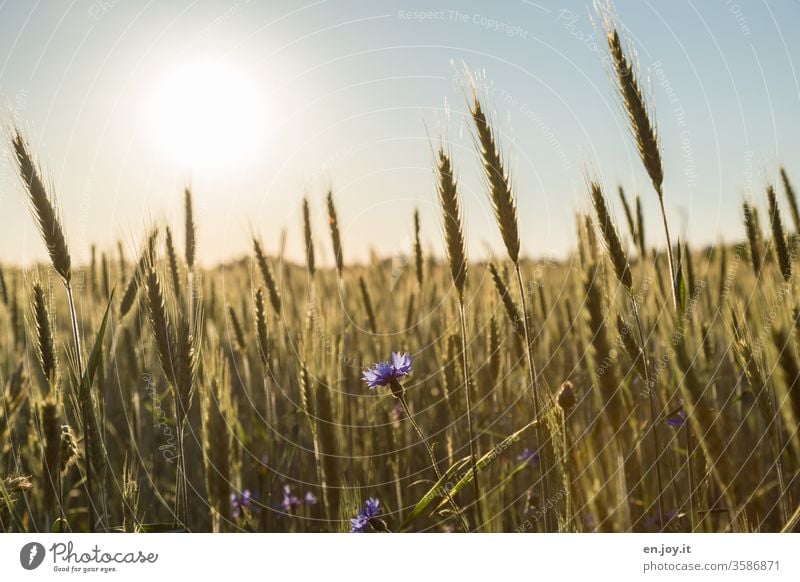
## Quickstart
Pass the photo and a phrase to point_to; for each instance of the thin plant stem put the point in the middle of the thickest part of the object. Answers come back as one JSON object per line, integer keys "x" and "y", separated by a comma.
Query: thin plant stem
{"x": 654, "y": 416}
{"x": 470, "y": 429}
{"x": 85, "y": 412}
{"x": 432, "y": 455}
{"x": 545, "y": 488}
{"x": 670, "y": 258}
{"x": 690, "y": 475}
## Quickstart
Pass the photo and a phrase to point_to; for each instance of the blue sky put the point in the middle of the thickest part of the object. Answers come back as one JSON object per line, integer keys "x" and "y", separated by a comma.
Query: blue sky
{"x": 355, "y": 94}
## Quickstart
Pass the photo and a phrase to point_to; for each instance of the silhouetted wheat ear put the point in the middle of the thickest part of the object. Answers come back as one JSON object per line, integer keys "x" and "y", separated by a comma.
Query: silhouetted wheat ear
{"x": 310, "y": 262}
{"x": 608, "y": 385}
{"x": 510, "y": 306}
{"x": 269, "y": 280}
{"x": 160, "y": 325}
{"x": 418, "y": 249}
{"x": 186, "y": 353}
{"x": 69, "y": 449}
{"x": 105, "y": 276}
{"x": 44, "y": 333}
{"x": 261, "y": 326}
{"x": 43, "y": 209}
{"x": 753, "y": 236}
{"x": 640, "y": 240}
{"x": 505, "y": 207}
{"x": 628, "y": 213}
{"x": 778, "y": 235}
{"x": 190, "y": 229}
{"x": 604, "y": 222}
{"x": 140, "y": 273}
{"x": 453, "y": 230}
{"x": 93, "y": 270}
{"x": 3, "y": 287}
{"x": 238, "y": 332}
{"x": 335, "y": 235}
{"x": 790, "y": 196}
{"x": 172, "y": 260}
{"x": 643, "y": 130}
{"x": 365, "y": 297}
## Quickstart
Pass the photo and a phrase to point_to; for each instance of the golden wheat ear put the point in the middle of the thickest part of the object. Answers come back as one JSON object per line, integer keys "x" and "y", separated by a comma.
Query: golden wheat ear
{"x": 453, "y": 228}
{"x": 43, "y": 209}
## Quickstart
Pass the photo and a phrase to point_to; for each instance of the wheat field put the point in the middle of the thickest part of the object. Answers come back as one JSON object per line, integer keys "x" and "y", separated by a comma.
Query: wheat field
{"x": 630, "y": 387}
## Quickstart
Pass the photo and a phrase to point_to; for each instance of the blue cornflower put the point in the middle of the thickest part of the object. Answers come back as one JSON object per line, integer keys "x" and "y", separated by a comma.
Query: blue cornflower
{"x": 361, "y": 521}
{"x": 240, "y": 502}
{"x": 528, "y": 455}
{"x": 290, "y": 502}
{"x": 384, "y": 373}
{"x": 677, "y": 419}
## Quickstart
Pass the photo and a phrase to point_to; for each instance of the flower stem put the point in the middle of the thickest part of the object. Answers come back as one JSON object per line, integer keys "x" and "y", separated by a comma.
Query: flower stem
{"x": 399, "y": 394}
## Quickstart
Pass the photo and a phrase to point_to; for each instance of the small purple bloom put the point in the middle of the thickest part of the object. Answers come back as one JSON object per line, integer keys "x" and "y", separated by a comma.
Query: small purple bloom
{"x": 290, "y": 502}
{"x": 384, "y": 373}
{"x": 401, "y": 362}
{"x": 361, "y": 521}
{"x": 528, "y": 455}
{"x": 240, "y": 502}
{"x": 310, "y": 498}
{"x": 677, "y": 420}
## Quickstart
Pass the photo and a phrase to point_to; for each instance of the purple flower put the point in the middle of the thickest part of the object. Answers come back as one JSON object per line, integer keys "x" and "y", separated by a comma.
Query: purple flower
{"x": 528, "y": 455}
{"x": 310, "y": 498}
{"x": 361, "y": 521}
{"x": 289, "y": 502}
{"x": 384, "y": 373}
{"x": 240, "y": 502}
{"x": 401, "y": 362}
{"x": 677, "y": 419}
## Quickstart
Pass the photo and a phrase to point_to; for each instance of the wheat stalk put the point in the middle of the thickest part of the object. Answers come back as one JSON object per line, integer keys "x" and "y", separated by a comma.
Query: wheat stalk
{"x": 790, "y": 196}
{"x": 619, "y": 258}
{"x": 43, "y": 210}
{"x": 457, "y": 260}
{"x": 628, "y": 214}
{"x": 269, "y": 280}
{"x": 365, "y": 297}
{"x": 778, "y": 235}
{"x": 190, "y": 249}
{"x": 753, "y": 229}
{"x": 418, "y": 263}
{"x": 451, "y": 216}
{"x": 309, "y": 240}
{"x": 335, "y": 235}
{"x": 44, "y": 333}
{"x": 505, "y": 211}
{"x": 142, "y": 267}
{"x": 643, "y": 130}
{"x": 261, "y": 327}
{"x": 172, "y": 261}
{"x": 505, "y": 207}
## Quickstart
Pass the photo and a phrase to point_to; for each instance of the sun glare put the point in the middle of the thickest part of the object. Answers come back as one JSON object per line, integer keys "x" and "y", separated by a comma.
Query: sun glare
{"x": 209, "y": 113}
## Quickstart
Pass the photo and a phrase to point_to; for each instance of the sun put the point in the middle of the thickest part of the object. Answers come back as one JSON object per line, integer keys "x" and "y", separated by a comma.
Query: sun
{"x": 209, "y": 113}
